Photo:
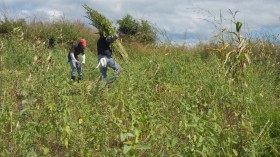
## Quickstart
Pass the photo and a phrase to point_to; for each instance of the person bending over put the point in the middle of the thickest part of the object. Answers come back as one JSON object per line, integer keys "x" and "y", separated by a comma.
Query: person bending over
{"x": 75, "y": 64}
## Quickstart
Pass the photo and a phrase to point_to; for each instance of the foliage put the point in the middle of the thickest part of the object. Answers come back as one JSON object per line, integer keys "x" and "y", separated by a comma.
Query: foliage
{"x": 236, "y": 51}
{"x": 236, "y": 58}
{"x": 65, "y": 33}
{"x": 105, "y": 27}
{"x": 7, "y": 25}
{"x": 128, "y": 25}
{"x": 168, "y": 101}
{"x": 141, "y": 31}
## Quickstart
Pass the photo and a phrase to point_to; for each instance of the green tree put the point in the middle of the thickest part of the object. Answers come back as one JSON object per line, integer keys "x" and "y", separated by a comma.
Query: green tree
{"x": 147, "y": 33}
{"x": 141, "y": 31}
{"x": 128, "y": 25}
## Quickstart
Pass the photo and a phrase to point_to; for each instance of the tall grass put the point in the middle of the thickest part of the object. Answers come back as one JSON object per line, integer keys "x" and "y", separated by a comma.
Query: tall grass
{"x": 169, "y": 101}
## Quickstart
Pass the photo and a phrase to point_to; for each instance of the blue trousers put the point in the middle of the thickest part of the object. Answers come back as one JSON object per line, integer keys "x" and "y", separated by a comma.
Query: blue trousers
{"x": 113, "y": 65}
{"x": 75, "y": 67}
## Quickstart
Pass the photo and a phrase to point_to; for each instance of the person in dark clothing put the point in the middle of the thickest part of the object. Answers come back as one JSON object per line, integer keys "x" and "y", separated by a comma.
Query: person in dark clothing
{"x": 105, "y": 58}
{"x": 51, "y": 43}
{"x": 75, "y": 64}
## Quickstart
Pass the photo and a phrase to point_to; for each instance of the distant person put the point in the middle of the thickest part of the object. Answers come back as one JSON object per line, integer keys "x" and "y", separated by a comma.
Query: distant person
{"x": 105, "y": 58}
{"x": 51, "y": 43}
{"x": 77, "y": 49}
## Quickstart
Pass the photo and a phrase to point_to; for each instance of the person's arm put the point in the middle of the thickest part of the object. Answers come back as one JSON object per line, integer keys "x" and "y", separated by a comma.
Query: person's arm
{"x": 72, "y": 55}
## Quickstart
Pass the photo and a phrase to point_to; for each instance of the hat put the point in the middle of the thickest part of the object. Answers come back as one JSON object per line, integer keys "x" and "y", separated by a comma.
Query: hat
{"x": 83, "y": 42}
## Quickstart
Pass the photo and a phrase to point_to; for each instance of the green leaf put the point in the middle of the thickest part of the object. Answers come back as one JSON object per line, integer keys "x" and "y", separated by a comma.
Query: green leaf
{"x": 67, "y": 129}
{"x": 126, "y": 149}
{"x": 130, "y": 134}
{"x": 46, "y": 150}
{"x": 238, "y": 26}
{"x": 23, "y": 111}
{"x": 143, "y": 146}
{"x": 123, "y": 136}
{"x": 235, "y": 152}
{"x": 137, "y": 132}
{"x": 174, "y": 142}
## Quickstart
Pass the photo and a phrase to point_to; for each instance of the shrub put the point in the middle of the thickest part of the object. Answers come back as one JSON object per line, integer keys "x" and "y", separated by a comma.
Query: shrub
{"x": 141, "y": 31}
{"x": 7, "y": 25}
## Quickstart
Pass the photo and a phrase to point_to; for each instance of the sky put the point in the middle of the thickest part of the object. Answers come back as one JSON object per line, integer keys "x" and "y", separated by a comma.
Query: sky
{"x": 179, "y": 21}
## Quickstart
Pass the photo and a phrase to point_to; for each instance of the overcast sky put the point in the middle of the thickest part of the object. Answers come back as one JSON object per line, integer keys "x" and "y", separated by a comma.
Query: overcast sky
{"x": 180, "y": 20}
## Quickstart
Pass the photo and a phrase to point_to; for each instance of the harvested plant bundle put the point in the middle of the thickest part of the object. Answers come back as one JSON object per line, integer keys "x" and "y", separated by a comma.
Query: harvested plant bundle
{"x": 104, "y": 25}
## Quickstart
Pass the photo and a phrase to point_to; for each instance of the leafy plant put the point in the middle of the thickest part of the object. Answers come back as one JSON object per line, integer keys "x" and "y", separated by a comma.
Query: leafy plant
{"x": 172, "y": 101}
{"x": 105, "y": 27}
{"x": 141, "y": 31}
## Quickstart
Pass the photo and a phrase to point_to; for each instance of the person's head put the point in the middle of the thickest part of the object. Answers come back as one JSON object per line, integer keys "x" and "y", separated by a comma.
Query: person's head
{"x": 83, "y": 43}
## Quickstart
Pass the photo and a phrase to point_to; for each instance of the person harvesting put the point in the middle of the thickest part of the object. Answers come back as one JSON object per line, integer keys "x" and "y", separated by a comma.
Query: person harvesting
{"x": 105, "y": 57}
{"x": 75, "y": 64}
{"x": 106, "y": 44}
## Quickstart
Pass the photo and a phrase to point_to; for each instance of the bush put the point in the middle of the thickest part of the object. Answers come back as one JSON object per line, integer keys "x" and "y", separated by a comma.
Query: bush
{"x": 141, "y": 31}
{"x": 7, "y": 25}
{"x": 128, "y": 25}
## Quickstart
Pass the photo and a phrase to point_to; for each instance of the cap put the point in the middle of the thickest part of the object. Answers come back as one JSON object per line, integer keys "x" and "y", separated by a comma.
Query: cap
{"x": 83, "y": 42}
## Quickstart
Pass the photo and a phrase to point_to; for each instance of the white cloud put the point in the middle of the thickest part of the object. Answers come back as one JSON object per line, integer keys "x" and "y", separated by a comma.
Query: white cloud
{"x": 44, "y": 14}
{"x": 50, "y": 13}
{"x": 180, "y": 19}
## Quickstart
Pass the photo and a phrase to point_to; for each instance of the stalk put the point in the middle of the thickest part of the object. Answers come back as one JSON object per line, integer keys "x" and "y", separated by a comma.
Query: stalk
{"x": 104, "y": 25}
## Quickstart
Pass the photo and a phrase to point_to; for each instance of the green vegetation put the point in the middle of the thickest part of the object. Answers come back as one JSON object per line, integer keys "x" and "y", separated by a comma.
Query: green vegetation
{"x": 168, "y": 101}
{"x": 141, "y": 31}
{"x": 105, "y": 27}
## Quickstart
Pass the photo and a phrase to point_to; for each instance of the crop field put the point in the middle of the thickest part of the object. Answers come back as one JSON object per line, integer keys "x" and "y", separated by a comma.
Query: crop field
{"x": 167, "y": 101}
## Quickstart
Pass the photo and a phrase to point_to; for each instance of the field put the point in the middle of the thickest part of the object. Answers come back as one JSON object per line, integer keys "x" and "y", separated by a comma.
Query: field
{"x": 168, "y": 101}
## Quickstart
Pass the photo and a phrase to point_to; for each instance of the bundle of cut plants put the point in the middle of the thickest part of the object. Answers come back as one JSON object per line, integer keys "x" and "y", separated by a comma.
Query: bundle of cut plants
{"x": 104, "y": 26}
